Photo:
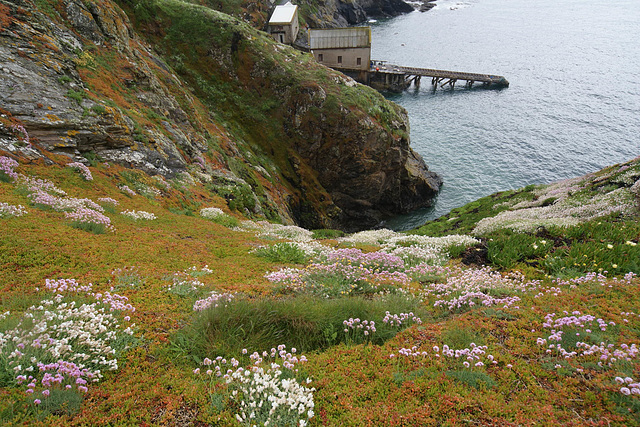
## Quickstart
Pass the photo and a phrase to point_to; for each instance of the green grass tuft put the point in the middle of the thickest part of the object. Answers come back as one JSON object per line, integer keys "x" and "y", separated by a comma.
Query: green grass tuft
{"x": 475, "y": 379}
{"x": 327, "y": 234}
{"x": 306, "y": 323}
{"x": 283, "y": 252}
{"x": 90, "y": 227}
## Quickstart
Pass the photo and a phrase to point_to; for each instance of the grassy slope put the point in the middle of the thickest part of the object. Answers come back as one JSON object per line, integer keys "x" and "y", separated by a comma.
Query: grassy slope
{"x": 356, "y": 384}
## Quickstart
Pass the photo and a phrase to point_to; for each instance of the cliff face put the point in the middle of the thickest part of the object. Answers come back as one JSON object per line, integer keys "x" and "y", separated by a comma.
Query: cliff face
{"x": 206, "y": 95}
{"x": 343, "y": 13}
{"x": 313, "y": 13}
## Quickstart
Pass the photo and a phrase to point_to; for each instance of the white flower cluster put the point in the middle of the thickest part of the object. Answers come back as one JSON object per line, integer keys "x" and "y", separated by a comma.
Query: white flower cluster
{"x": 313, "y": 249}
{"x": 59, "y": 329}
{"x": 7, "y": 210}
{"x": 184, "y": 286}
{"x": 370, "y": 237}
{"x": 628, "y": 178}
{"x": 267, "y": 399}
{"x": 37, "y": 184}
{"x": 268, "y": 392}
{"x": 471, "y": 355}
{"x": 213, "y": 300}
{"x": 443, "y": 242}
{"x": 563, "y": 204}
{"x": 83, "y": 169}
{"x": 126, "y": 189}
{"x": 108, "y": 200}
{"x": 415, "y": 255}
{"x": 391, "y": 239}
{"x": 563, "y": 212}
{"x": 211, "y": 213}
{"x": 278, "y": 231}
{"x": 413, "y": 249}
{"x": 466, "y": 287}
{"x": 629, "y": 386}
{"x": 185, "y": 282}
{"x": 139, "y": 215}
{"x": 194, "y": 272}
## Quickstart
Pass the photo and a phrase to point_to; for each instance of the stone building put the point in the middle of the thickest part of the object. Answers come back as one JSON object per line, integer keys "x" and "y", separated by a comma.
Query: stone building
{"x": 347, "y": 49}
{"x": 283, "y": 25}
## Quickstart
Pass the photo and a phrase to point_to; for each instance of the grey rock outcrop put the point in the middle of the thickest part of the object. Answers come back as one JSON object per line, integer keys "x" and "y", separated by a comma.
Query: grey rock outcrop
{"x": 41, "y": 87}
{"x": 369, "y": 173}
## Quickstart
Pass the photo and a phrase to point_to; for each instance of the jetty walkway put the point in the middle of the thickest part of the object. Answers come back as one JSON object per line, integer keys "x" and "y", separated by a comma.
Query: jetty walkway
{"x": 393, "y": 76}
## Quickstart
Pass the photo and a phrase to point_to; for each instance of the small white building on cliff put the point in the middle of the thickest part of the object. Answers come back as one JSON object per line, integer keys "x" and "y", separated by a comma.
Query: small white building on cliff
{"x": 342, "y": 48}
{"x": 283, "y": 25}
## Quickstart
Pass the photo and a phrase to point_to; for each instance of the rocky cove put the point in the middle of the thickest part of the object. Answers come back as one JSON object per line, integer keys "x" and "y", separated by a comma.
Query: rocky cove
{"x": 186, "y": 91}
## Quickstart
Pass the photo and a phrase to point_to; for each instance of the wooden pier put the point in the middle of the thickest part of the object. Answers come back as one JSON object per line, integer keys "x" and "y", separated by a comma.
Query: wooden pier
{"x": 385, "y": 76}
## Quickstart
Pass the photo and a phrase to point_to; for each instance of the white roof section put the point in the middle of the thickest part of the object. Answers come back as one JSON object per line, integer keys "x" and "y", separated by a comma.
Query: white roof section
{"x": 340, "y": 38}
{"x": 283, "y": 14}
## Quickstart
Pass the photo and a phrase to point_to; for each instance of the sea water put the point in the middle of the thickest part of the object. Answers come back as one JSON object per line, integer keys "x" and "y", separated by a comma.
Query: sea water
{"x": 572, "y": 107}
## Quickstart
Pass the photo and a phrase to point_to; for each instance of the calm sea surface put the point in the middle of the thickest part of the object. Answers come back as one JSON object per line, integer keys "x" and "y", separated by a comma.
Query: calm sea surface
{"x": 573, "y": 106}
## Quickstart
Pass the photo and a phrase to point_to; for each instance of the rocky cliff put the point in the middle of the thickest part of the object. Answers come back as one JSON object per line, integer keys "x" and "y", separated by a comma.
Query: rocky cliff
{"x": 187, "y": 92}
{"x": 313, "y": 13}
{"x": 343, "y": 13}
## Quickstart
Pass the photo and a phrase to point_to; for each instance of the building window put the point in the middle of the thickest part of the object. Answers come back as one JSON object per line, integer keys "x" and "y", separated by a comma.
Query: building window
{"x": 320, "y": 57}
{"x": 358, "y": 61}
{"x": 339, "y": 59}
{"x": 281, "y": 38}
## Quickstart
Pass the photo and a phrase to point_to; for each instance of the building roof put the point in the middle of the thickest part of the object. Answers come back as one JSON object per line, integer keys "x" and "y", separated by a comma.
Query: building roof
{"x": 332, "y": 38}
{"x": 283, "y": 14}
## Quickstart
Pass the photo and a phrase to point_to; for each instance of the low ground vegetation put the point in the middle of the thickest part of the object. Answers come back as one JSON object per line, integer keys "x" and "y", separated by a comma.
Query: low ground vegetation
{"x": 518, "y": 309}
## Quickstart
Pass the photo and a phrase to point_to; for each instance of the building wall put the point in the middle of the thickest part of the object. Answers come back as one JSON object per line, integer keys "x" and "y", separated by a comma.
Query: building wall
{"x": 289, "y": 32}
{"x": 295, "y": 27}
{"x": 344, "y": 58}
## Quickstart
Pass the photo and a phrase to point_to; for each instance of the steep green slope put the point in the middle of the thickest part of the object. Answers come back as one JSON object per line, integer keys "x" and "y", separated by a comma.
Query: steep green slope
{"x": 343, "y": 141}
{"x": 191, "y": 90}
{"x": 566, "y": 228}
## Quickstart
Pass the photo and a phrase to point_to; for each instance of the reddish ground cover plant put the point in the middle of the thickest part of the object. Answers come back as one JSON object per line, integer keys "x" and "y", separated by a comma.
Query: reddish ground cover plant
{"x": 542, "y": 334}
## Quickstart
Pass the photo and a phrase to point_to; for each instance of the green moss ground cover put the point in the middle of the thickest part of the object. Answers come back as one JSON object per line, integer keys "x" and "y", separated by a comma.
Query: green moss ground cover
{"x": 514, "y": 326}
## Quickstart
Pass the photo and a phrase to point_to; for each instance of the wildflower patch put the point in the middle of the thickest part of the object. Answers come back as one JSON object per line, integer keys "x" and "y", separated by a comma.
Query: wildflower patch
{"x": 62, "y": 345}
{"x": 267, "y": 391}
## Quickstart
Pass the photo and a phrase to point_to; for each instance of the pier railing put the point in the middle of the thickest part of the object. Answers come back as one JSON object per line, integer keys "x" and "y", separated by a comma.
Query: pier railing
{"x": 381, "y": 71}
